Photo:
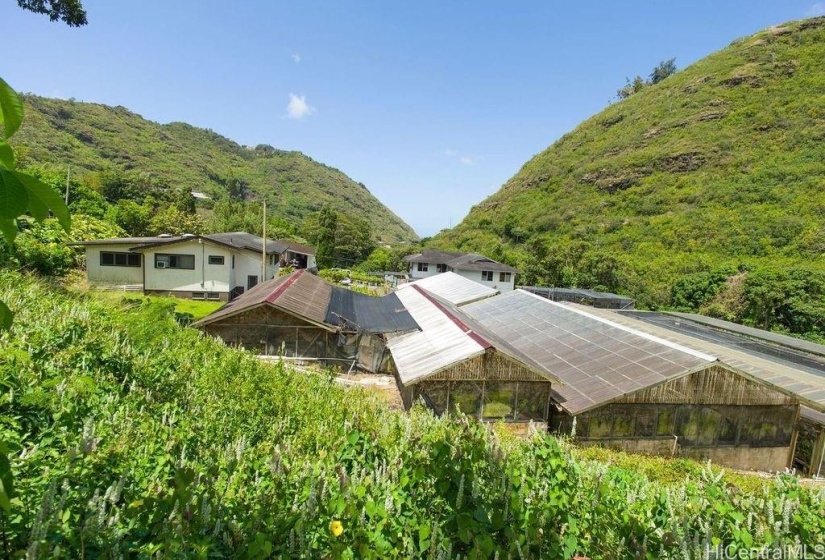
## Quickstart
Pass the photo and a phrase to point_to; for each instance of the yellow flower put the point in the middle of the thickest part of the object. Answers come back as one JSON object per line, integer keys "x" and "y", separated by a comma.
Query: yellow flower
{"x": 336, "y": 527}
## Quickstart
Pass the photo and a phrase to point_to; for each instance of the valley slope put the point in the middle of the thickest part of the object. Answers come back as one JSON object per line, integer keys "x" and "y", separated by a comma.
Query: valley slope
{"x": 94, "y": 137}
{"x": 721, "y": 166}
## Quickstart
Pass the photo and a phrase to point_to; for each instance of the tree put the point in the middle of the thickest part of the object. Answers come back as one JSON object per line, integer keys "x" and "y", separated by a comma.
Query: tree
{"x": 20, "y": 192}
{"x": 70, "y": 12}
{"x": 631, "y": 87}
{"x": 327, "y": 229}
{"x": 664, "y": 69}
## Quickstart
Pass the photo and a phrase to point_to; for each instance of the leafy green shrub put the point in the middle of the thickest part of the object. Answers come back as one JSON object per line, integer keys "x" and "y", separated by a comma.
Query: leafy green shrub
{"x": 131, "y": 436}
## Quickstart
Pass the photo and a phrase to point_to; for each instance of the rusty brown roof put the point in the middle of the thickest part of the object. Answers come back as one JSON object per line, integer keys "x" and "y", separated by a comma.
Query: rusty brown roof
{"x": 300, "y": 293}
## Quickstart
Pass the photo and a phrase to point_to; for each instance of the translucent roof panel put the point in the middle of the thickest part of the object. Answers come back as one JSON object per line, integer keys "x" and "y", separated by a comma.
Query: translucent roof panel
{"x": 596, "y": 359}
{"x": 442, "y": 341}
{"x": 453, "y": 288}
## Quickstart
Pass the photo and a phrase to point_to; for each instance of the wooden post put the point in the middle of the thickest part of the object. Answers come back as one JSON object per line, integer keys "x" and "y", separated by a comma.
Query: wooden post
{"x": 818, "y": 454}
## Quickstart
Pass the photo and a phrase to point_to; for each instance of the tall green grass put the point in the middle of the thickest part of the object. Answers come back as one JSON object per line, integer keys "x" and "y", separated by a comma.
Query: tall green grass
{"x": 132, "y": 436}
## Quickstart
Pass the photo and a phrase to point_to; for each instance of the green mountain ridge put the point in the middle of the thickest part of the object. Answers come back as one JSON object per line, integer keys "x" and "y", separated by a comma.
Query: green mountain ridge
{"x": 94, "y": 137}
{"x": 720, "y": 166}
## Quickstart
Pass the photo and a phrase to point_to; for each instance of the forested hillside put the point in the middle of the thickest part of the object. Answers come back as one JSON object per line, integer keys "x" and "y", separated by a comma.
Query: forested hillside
{"x": 705, "y": 191}
{"x": 101, "y": 141}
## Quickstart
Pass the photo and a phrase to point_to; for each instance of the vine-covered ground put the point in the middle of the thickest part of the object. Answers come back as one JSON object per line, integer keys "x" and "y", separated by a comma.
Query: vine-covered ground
{"x": 128, "y": 435}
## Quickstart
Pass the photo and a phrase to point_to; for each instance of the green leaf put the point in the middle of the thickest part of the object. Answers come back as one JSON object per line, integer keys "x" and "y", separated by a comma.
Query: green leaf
{"x": 11, "y": 109}
{"x": 43, "y": 198}
{"x": 6, "y": 154}
{"x": 14, "y": 197}
{"x": 6, "y": 480}
{"x": 6, "y": 316}
{"x": 9, "y": 229}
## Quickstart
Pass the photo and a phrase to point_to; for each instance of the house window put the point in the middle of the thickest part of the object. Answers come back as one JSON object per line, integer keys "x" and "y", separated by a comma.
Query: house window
{"x": 441, "y": 267}
{"x": 422, "y": 267}
{"x": 198, "y": 295}
{"x": 215, "y": 259}
{"x": 487, "y": 275}
{"x": 273, "y": 259}
{"x": 167, "y": 260}
{"x": 213, "y": 295}
{"x": 115, "y": 258}
{"x": 233, "y": 262}
{"x": 251, "y": 281}
{"x": 504, "y": 276}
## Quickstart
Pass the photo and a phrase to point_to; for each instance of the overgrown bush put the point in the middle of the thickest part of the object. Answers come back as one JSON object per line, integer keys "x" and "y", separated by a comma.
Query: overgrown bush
{"x": 131, "y": 436}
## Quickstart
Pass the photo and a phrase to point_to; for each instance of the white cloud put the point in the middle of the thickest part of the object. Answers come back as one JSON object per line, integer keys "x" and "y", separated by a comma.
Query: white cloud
{"x": 467, "y": 160}
{"x": 298, "y": 108}
{"x": 296, "y": 58}
{"x": 815, "y": 10}
{"x": 449, "y": 152}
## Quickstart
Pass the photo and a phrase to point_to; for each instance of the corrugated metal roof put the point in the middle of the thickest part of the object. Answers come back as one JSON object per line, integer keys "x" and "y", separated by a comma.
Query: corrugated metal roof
{"x": 453, "y": 288}
{"x": 759, "y": 334}
{"x": 309, "y": 297}
{"x": 296, "y": 247}
{"x": 299, "y": 293}
{"x": 808, "y": 384}
{"x": 372, "y": 314}
{"x": 597, "y": 360}
{"x": 442, "y": 341}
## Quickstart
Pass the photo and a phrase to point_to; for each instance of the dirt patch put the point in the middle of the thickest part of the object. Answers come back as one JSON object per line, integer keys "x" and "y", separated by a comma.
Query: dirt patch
{"x": 811, "y": 23}
{"x": 711, "y": 116}
{"x": 608, "y": 122}
{"x": 682, "y": 163}
{"x": 652, "y": 133}
{"x": 614, "y": 180}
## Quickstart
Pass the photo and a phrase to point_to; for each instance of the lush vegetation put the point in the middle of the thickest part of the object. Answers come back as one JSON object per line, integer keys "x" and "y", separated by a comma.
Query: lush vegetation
{"x": 716, "y": 170}
{"x": 130, "y": 435}
{"x": 123, "y": 156}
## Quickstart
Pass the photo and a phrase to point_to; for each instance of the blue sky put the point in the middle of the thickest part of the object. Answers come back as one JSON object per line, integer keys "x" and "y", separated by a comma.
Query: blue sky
{"x": 431, "y": 104}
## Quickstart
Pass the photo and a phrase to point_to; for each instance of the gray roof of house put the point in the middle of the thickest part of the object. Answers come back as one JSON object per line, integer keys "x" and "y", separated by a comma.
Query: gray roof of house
{"x": 597, "y": 360}
{"x": 234, "y": 239}
{"x": 460, "y": 261}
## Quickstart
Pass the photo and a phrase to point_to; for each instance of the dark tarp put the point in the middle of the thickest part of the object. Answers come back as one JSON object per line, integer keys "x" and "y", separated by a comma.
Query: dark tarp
{"x": 354, "y": 311}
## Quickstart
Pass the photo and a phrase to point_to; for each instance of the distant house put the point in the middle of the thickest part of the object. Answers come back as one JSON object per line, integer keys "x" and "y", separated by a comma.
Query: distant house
{"x": 476, "y": 267}
{"x": 216, "y": 266}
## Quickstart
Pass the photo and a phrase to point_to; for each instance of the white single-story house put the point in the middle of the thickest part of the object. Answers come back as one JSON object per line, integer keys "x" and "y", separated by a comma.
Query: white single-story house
{"x": 476, "y": 267}
{"x": 216, "y": 266}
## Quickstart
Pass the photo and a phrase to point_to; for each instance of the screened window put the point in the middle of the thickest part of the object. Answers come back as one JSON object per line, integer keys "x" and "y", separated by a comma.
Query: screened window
{"x": 213, "y": 295}
{"x": 435, "y": 395}
{"x": 422, "y": 267}
{"x": 466, "y": 397}
{"x": 532, "y": 401}
{"x": 118, "y": 258}
{"x": 504, "y": 276}
{"x": 441, "y": 268}
{"x": 198, "y": 295}
{"x": 168, "y": 260}
{"x": 487, "y": 275}
{"x": 499, "y": 401}
{"x": 216, "y": 259}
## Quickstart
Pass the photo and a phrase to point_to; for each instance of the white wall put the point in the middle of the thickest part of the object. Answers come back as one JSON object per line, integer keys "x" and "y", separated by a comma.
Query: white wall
{"x": 98, "y": 274}
{"x": 475, "y": 276}
{"x": 204, "y": 278}
{"x": 432, "y": 270}
{"x": 249, "y": 264}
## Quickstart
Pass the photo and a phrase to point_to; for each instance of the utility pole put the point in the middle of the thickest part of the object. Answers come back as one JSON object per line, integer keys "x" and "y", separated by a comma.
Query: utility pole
{"x": 68, "y": 174}
{"x": 263, "y": 248}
